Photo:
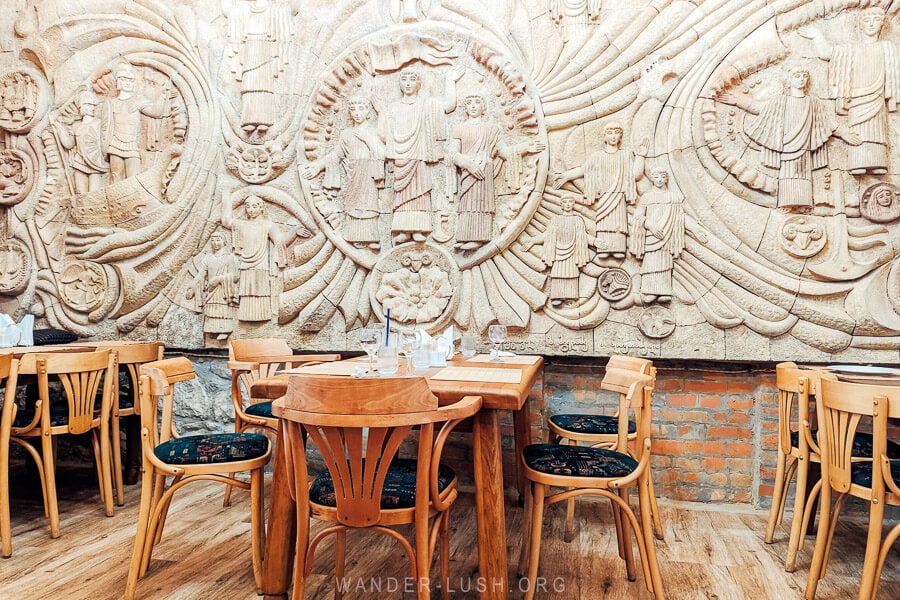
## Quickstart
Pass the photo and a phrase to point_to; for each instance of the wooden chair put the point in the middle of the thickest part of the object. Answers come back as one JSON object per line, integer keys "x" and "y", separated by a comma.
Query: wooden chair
{"x": 9, "y": 367}
{"x": 251, "y": 360}
{"x": 186, "y": 459}
{"x": 358, "y": 426}
{"x": 601, "y": 430}
{"x": 130, "y": 355}
{"x": 583, "y": 470}
{"x": 841, "y": 408}
{"x": 74, "y": 411}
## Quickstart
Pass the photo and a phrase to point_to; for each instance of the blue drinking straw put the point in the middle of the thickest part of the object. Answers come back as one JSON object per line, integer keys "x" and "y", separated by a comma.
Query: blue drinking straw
{"x": 387, "y": 333}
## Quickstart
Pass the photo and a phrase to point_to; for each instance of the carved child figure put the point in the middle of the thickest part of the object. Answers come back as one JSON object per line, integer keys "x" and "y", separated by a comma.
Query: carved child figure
{"x": 610, "y": 175}
{"x": 216, "y": 278}
{"x": 360, "y": 153}
{"x": 658, "y": 237}
{"x": 565, "y": 249}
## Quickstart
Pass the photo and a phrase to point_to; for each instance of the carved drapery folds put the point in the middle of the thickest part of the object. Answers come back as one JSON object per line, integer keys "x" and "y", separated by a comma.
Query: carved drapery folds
{"x": 630, "y": 180}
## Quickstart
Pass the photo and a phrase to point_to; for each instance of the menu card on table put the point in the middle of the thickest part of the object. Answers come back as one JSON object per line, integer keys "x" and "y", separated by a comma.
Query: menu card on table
{"x": 479, "y": 374}
{"x": 326, "y": 368}
{"x": 517, "y": 359}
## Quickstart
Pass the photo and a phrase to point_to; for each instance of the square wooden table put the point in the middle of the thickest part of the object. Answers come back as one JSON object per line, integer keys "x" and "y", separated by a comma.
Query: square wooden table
{"x": 488, "y": 472}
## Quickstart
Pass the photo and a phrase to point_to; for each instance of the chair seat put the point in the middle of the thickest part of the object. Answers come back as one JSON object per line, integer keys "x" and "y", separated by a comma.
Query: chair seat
{"x": 260, "y": 409}
{"x": 861, "y": 473}
{"x": 399, "y": 485}
{"x": 59, "y": 414}
{"x": 579, "y": 461}
{"x": 862, "y": 445}
{"x": 212, "y": 448}
{"x": 591, "y": 424}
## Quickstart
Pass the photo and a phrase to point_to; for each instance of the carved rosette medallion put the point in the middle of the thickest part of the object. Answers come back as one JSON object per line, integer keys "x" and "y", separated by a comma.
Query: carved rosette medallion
{"x": 23, "y": 100}
{"x": 880, "y": 203}
{"x": 356, "y": 179}
{"x": 15, "y": 265}
{"x": 614, "y": 284}
{"x": 83, "y": 285}
{"x": 657, "y": 322}
{"x": 16, "y": 176}
{"x": 418, "y": 283}
{"x": 803, "y": 236}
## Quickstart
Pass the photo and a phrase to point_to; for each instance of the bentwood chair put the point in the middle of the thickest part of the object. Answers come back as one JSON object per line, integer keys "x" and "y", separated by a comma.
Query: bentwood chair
{"x": 74, "y": 409}
{"x": 601, "y": 430}
{"x": 607, "y": 472}
{"x": 131, "y": 355}
{"x": 358, "y": 426}
{"x": 842, "y": 408}
{"x": 185, "y": 459}
{"x": 253, "y": 359}
{"x": 9, "y": 367}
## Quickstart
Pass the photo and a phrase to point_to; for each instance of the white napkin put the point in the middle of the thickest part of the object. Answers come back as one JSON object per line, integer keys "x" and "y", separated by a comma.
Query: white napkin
{"x": 442, "y": 342}
{"x": 10, "y": 333}
{"x": 26, "y": 325}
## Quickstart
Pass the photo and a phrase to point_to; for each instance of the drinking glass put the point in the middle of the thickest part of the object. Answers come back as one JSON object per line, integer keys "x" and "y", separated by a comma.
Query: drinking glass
{"x": 497, "y": 335}
{"x": 467, "y": 345}
{"x": 387, "y": 359}
{"x": 369, "y": 338}
{"x": 410, "y": 341}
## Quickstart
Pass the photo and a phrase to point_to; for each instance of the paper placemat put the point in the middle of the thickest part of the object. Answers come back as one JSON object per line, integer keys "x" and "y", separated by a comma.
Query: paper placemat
{"x": 518, "y": 359}
{"x": 476, "y": 374}
{"x": 326, "y": 368}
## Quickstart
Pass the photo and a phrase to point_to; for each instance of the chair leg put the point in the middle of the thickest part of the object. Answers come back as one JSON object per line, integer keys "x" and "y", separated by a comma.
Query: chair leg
{"x": 522, "y": 565}
{"x": 651, "y": 563}
{"x": 226, "y": 501}
{"x": 537, "y": 523}
{"x": 569, "y": 534}
{"x": 5, "y": 522}
{"x": 104, "y": 470}
{"x": 140, "y": 537}
{"x": 257, "y": 525}
{"x": 816, "y": 565}
{"x": 47, "y": 455}
{"x": 626, "y": 534}
{"x": 654, "y": 511}
{"x": 301, "y": 545}
{"x": 444, "y": 534}
{"x": 115, "y": 428}
{"x": 777, "y": 497}
{"x": 798, "y": 516}
{"x": 873, "y": 546}
{"x": 340, "y": 562}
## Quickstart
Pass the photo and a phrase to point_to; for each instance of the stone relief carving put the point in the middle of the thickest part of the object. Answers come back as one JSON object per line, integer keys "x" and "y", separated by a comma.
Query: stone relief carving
{"x": 395, "y": 153}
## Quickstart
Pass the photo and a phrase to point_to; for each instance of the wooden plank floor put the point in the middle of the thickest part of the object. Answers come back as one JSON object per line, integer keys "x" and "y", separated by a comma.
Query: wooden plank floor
{"x": 711, "y": 551}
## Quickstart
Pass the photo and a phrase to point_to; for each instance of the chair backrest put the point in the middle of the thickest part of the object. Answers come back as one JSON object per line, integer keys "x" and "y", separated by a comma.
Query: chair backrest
{"x": 629, "y": 363}
{"x": 80, "y": 374}
{"x": 631, "y": 386}
{"x": 132, "y": 355}
{"x": 9, "y": 371}
{"x": 252, "y": 359}
{"x": 842, "y": 406}
{"x": 157, "y": 380}
{"x": 796, "y": 387}
{"x": 358, "y": 425}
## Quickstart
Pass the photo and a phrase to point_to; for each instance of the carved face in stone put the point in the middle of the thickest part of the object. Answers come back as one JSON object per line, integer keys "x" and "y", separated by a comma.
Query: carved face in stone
{"x": 254, "y": 207}
{"x": 359, "y": 109}
{"x": 409, "y": 82}
{"x": 568, "y": 204}
{"x": 414, "y": 261}
{"x": 612, "y": 135}
{"x": 125, "y": 79}
{"x": 871, "y": 22}
{"x": 798, "y": 80}
{"x": 217, "y": 242}
{"x": 87, "y": 104}
{"x": 474, "y": 106}
{"x": 659, "y": 178}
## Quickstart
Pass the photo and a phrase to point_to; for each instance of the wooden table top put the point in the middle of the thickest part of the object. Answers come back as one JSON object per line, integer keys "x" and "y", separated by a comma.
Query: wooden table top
{"x": 20, "y": 351}
{"x": 495, "y": 395}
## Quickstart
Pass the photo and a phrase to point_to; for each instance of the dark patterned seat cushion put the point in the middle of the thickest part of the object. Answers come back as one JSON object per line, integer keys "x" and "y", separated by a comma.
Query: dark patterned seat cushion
{"x": 260, "y": 409}
{"x": 44, "y": 337}
{"x": 59, "y": 413}
{"x": 399, "y": 485}
{"x": 212, "y": 448}
{"x": 591, "y": 424}
{"x": 862, "y": 445}
{"x": 861, "y": 473}
{"x": 579, "y": 461}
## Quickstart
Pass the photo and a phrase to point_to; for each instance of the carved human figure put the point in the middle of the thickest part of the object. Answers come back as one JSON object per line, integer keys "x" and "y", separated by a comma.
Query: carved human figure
{"x": 575, "y": 9}
{"x": 259, "y": 33}
{"x": 658, "y": 237}
{"x": 359, "y": 154}
{"x": 865, "y": 79}
{"x": 252, "y": 237}
{"x": 84, "y": 139}
{"x": 216, "y": 278}
{"x": 411, "y": 128}
{"x": 792, "y": 130}
{"x": 121, "y": 123}
{"x": 565, "y": 249}
{"x": 477, "y": 149}
{"x": 610, "y": 176}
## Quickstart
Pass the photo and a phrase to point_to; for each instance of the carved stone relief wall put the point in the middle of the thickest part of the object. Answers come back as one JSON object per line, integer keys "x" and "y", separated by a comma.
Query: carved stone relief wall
{"x": 664, "y": 178}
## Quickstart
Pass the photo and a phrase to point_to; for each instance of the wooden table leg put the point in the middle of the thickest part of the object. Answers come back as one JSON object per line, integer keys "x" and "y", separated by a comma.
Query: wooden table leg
{"x": 281, "y": 531}
{"x": 522, "y": 428}
{"x": 492, "y": 566}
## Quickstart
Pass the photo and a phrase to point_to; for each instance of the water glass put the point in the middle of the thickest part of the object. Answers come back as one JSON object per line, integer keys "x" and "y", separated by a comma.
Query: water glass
{"x": 467, "y": 345}
{"x": 421, "y": 357}
{"x": 497, "y": 335}
{"x": 387, "y": 359}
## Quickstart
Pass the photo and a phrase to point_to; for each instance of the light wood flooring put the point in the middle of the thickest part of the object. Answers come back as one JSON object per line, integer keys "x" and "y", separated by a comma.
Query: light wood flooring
{"x": 710, "y": 551}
